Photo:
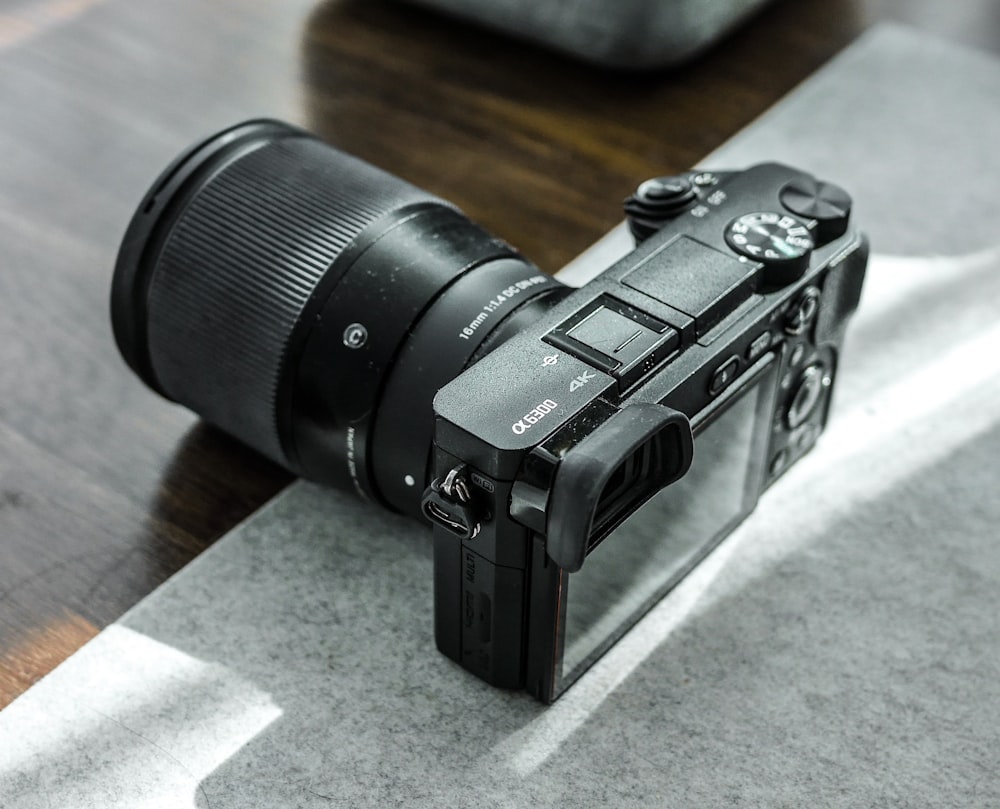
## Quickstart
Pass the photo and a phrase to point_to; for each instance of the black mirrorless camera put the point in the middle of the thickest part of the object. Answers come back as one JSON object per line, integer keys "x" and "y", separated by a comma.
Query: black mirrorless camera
{"x": 577, "y": 450}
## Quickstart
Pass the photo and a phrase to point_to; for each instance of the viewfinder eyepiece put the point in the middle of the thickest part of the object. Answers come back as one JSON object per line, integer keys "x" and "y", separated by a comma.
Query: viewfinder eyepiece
{"x": 612, "y": 472}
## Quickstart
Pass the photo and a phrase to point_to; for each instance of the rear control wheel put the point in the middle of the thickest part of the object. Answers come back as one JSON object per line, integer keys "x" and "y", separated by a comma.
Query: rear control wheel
{"x": 808, "y": 393}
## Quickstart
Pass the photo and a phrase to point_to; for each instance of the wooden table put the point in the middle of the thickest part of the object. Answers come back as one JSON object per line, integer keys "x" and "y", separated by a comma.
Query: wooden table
{"x": 105, "y": 489}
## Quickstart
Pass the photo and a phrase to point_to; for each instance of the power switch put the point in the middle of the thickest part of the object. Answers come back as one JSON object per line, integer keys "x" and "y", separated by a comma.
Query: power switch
{"x": 616, "y": 338}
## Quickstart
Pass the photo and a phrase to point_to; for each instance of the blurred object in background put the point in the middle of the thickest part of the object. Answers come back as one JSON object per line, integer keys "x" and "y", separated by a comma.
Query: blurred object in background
{"x": 627, "y": 34}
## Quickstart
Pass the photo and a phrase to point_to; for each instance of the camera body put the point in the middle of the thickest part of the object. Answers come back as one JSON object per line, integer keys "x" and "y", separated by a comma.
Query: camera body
{"x": 582, "y": 467}
{"x": 576, "y": 450}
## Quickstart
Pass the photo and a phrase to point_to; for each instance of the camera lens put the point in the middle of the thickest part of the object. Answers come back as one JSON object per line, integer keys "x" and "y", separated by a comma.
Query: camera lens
{"x": 311, "y": 304}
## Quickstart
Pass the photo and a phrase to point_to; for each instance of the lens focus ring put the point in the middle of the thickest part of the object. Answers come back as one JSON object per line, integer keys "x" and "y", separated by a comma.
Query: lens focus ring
{"x": 241, "y": 260}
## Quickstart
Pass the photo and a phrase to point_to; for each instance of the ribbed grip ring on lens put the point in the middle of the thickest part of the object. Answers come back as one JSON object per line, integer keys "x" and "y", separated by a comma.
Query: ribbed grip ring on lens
{"x": 238, "y": 267}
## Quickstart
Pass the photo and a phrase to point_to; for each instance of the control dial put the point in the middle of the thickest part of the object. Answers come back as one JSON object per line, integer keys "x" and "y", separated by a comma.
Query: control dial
{"x": 828, "y": 205}
{"x": 780, "y": 241}
{"x": 812, "y": 383}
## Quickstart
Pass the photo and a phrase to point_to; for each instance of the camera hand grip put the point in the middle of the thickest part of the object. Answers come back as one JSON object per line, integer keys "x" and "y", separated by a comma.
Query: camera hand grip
{"x": 612, "y": 472}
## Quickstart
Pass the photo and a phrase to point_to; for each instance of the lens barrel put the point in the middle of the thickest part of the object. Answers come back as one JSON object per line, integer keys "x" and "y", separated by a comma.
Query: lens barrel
{"x": 311, "y": 304}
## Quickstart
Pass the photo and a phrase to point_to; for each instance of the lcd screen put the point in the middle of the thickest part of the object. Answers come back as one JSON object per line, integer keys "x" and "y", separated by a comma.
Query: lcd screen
{"x": 654, "y": 548}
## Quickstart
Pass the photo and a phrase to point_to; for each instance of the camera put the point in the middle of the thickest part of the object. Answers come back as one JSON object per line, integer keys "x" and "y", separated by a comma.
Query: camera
{"x": 577, "y": 451}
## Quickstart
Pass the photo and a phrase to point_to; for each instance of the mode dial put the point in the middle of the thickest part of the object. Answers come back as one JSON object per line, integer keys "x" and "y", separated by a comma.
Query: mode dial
{"x": 782, "y": 242}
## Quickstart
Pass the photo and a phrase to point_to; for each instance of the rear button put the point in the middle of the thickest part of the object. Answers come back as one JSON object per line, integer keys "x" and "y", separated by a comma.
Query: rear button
{"x": 725, "y": 374}
{"x": 759, "y": 346}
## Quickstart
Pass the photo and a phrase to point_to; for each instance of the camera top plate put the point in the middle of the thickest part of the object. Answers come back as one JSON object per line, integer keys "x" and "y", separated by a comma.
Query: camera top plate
{"x": 681, "y": 288}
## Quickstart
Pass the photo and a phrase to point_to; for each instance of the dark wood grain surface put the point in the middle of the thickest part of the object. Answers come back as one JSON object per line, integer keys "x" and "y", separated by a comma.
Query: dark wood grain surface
{"x": 106, "y": 490}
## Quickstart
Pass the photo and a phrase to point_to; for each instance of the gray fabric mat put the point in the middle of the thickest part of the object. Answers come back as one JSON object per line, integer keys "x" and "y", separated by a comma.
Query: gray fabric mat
{"x": 842, "y": 648}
